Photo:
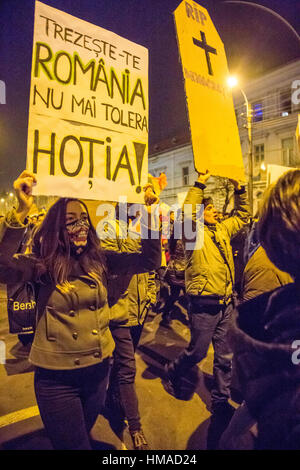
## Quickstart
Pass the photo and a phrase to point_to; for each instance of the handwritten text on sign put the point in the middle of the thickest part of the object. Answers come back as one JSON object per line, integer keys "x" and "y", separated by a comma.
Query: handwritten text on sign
{"x": 88, "y": 121}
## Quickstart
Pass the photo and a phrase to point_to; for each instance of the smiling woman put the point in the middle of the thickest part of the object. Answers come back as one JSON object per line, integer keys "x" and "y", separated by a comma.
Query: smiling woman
{"x": 77, "y": 224}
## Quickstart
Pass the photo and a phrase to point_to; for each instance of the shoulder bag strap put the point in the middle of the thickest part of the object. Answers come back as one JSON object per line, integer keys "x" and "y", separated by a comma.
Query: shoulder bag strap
{"x": 220, "y": 248}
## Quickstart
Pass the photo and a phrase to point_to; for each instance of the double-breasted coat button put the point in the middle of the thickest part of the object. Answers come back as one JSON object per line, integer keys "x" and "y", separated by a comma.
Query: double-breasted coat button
{"x": 77, "y": 362}
{"x": 72, "y": 313}
{"x": 96, "y": 354}
{"x": 93, "y": 286}
{"x": 75, "y": 335}
{"x": 92, "y": 307}
{"x": 95, "y": 332}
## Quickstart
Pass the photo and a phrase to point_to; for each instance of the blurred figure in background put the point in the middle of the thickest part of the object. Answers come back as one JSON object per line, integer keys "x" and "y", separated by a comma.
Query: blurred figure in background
{"x": 175, "y": 272}
{"x": 238, "y": 246}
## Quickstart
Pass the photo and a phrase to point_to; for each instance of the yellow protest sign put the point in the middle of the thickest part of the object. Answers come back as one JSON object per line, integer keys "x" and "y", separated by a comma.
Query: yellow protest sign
{"x": 214, "y": 132}
{"x": 88, "y": 113}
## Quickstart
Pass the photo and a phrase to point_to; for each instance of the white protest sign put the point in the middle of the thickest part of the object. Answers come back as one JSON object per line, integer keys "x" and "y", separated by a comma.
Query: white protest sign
{"x": 88, "y": 114}
{"x": 275, "y": 171}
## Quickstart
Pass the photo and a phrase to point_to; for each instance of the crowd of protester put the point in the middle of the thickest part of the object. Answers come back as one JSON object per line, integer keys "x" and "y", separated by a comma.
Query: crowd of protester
{"x": 240, "y": 290}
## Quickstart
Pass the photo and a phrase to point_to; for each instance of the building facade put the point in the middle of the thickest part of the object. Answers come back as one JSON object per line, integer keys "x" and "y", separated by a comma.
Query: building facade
{"x": 275, "y": 103}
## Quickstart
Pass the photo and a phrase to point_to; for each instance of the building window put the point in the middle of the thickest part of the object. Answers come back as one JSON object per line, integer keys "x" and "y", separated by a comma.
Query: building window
{"x": 287, "y": 149}
{"x": 285, "y": 102}
{"x": 185, "y": 176}
{"x": 257, "y": 112}
{"x": 259, "y": 154}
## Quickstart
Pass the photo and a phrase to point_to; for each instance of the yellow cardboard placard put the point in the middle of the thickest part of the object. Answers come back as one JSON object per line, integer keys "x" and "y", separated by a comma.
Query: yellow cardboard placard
{"x": 214, "y": 131}
{"x": 88, "y": 112}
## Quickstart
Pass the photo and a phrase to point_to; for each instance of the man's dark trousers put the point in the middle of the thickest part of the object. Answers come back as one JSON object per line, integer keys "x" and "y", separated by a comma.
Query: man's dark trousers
{"x": 209, "y": 323}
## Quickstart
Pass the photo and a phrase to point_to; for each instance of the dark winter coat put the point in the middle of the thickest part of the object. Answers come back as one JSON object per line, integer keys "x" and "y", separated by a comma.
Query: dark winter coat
{"x": 265, "y": 337}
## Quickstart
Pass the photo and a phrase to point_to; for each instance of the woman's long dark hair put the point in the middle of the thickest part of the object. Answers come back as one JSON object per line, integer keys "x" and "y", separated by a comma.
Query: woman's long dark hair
{"x": 51, "y": 245}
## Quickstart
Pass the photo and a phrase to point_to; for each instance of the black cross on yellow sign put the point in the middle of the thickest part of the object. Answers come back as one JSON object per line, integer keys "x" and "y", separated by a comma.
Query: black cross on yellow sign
{"x": 208, "y": 50}
{"x": 214, "y": 132}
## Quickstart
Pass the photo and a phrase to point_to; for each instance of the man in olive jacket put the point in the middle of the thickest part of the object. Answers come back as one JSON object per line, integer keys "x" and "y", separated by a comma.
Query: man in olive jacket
{"x": 209, "y": 279}
{"x": 129, "y": 296}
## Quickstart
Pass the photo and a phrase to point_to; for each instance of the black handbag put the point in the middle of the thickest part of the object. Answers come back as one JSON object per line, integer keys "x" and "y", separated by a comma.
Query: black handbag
{"x": 21, "y": 308}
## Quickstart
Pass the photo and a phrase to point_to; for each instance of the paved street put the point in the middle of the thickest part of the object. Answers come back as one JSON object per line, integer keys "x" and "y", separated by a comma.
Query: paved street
{"x": 169, "y": 423}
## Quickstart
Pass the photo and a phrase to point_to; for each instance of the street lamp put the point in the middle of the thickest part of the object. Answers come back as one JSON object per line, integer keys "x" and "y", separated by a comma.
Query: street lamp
{"x": 233, "y": 82}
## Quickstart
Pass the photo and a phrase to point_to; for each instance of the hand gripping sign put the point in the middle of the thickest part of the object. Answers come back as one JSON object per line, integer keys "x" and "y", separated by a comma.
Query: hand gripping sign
{"x": 88, "y": 115}
{"x": 215, "y": 138}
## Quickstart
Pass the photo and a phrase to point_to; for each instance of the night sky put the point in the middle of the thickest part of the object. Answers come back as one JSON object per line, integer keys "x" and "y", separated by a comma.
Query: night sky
{"x": 255, "y": 42}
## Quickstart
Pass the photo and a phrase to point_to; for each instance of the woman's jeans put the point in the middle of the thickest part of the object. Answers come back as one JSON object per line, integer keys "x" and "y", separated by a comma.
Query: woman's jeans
{"x": 70, "y": 401}
{"x": 122, "y": 377}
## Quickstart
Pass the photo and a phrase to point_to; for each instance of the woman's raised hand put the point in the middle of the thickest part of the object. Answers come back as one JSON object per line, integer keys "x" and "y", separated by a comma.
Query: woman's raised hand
{"x": 23, "y": 188}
